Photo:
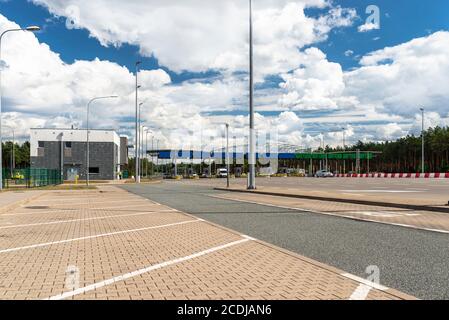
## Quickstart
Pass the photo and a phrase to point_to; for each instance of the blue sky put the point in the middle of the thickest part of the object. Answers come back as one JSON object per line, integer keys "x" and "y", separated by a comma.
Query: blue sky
{"x": 214, "y": 92}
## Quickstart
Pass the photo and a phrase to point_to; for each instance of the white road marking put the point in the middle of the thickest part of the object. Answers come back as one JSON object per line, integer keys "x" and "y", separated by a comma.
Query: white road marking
{"x": 81, "y": 202}
{"x": 335, "y": 215}
{"x": 365, "y": 282}
{"x": 361, "y": 293}
{"x": 125, "y": 276}
{"x": 95, "y": 236}
{"x": 68, "y": 211}
{"x": 380, "y": 191}
{"x": 384, "y": 214}
{"x": 78, "y": 220}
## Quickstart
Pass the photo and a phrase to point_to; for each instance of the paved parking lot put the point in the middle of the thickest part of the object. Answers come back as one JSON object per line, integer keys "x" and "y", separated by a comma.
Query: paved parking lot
{"x": 432, "y": 192}
{"x": 412, "y": 260}
{"x": 111, "y": 244}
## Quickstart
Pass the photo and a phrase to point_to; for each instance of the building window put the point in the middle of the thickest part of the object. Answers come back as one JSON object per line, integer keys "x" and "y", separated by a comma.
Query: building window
{"x": 40, "y": 148}
{"x": 68, "y": 149}
{"x": 94, "y": 170}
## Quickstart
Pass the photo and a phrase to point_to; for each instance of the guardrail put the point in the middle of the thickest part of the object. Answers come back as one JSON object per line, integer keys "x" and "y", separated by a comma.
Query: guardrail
{"x": 396, "y": 175}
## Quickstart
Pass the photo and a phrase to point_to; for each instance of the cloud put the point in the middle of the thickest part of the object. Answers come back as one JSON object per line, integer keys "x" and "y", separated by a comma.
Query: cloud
{"x": 388, "y": 87}
{"x": 368, "y": 27}
{"x": 405, "y": 77}
{"x": 38, "y": 85}
{"x": 317, "y": 85}
{"x": 200, "y": 35}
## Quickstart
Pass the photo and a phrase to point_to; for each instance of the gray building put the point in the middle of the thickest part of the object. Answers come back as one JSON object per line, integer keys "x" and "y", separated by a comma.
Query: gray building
{"x": 66, "y": 149}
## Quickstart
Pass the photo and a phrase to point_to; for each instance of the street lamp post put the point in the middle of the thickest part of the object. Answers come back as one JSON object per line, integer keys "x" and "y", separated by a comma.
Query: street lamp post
{"x": 344, "y": 149}
{"x": 422, "y": 143}
{"x": 87, "y": 134}
{"x": 228, "y": 169}
{"x": 30, "y": 29}
{"x": 152, "y": 157}
{"x": 146, "y": 150}
{"x": 137, "y": 126}
{"x": 142, "y": 157}
{"x": 252, "y": 155}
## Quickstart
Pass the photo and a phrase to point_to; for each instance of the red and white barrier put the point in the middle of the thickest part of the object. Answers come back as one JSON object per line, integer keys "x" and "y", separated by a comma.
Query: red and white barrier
{"x": 395, "y": 175}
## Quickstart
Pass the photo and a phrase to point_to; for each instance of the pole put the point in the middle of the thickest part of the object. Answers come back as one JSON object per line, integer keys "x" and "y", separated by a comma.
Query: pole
{"x": 31, "y": 29}
{"x": 252, "y": 156}
{"x": 87, "y": 154}
{"x": 88, "y": 133}
{"x": 157, "y": 157}
{"x": 227, "y": 155}
{"x": 62, "y": 157}
{"x": 146, "y": 153}
{"x": 422, "y": 141}
{"x": 141, "y": 158}
{"x": 152, "y": 158}
{"x": 137, "y": 178}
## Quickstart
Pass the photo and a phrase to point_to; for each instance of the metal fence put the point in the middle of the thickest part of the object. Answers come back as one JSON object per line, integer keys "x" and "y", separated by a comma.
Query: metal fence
{"x": 31, "y": 178}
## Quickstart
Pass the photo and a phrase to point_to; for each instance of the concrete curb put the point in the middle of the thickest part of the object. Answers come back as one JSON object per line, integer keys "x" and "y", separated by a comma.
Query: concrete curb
{"x": 352, "y": 201}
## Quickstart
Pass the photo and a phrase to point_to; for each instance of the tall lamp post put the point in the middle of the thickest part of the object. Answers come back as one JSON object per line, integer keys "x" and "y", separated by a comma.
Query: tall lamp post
{"x": 228, "y": 167}
{"x": 148, "y": 130}
{"x": 137, "y": 125}
{"x": 344, "y": 149}
{"x": 252, "y": 142}
{"x": 88, "y": 133}
{"x": 30, "y": 29}
{"x": 422, "y": 142}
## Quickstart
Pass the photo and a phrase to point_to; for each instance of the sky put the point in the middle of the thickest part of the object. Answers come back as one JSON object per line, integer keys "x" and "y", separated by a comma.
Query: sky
{"x": 321, "y": 67}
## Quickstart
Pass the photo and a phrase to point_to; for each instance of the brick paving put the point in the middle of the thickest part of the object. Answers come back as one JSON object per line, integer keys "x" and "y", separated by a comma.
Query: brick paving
{"x": 110, "y": 244}
{"x": 420, "y": 219}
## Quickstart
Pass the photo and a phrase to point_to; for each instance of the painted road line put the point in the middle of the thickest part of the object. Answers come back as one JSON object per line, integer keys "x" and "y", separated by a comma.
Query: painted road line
{"x": 380, "y": 191}
{"x": 336, "y": 215}
{"x": 79, "y": 220}
{"x": 361, "y": 293}
{"x": 67, "y": 211}
{"x": 129, "y": 275}
{"x": 365, "y": 282}
{"x": 92, "y": 201}
{"x": 259, "y": 203}
{"x": 95, "y": 236}
{"x": 384, "y": 214}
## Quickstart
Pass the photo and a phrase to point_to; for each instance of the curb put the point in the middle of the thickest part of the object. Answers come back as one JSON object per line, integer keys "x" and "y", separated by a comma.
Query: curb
{"x": 352, "y": 201}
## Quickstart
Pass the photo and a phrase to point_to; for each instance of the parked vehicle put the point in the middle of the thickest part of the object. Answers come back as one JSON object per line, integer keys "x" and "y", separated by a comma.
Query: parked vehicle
{"x": 323, "y": 174}
{"x": 222, "y": 173}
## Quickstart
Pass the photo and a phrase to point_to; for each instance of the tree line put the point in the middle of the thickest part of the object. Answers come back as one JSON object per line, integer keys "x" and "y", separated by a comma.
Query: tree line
{"x": 21, "y": 154}
{"x": 404, "y": 155}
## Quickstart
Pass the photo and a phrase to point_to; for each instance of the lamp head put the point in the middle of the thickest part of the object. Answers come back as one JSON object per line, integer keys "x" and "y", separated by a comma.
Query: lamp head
{"x": 33, "y": 28}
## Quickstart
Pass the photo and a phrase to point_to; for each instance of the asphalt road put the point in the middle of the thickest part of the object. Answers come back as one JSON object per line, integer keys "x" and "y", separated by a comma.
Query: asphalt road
{"x": 412, "y": 261}
{"x": 404, "y": 189}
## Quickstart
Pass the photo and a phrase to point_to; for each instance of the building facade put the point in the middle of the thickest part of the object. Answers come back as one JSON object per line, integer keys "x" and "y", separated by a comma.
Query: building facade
{"x": 66, "y": 150}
